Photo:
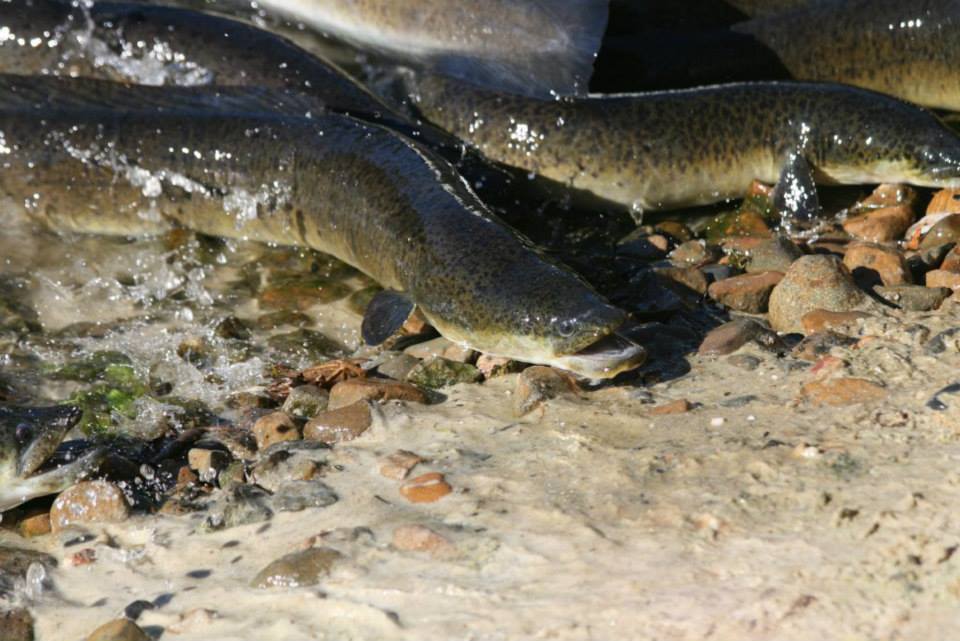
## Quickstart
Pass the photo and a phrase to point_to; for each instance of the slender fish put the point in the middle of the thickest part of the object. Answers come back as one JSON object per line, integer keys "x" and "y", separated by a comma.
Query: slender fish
{"x": 93, "y": 156}
{"x": 669, "y": 149}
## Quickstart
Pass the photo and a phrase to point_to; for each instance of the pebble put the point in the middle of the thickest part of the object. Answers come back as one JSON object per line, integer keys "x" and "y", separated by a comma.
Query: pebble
{"x": 438, "y": 372}
{"x": 945, "y": 201}
{"x": 339, "y": 425}
{"x": 297, "y": 569}
{"x": 873, "y": 264}
{"x": 821, "y": 319}
{"x": 538, "y": 384}
{"x": 240, "y": 505}
{"x": 914, "y": 298}
{"x": 943, "y": 278}
{"x": 207, "y": 463}
{"x": 306, "y": 401}
{"x": 813, "y": 282}
{"x": 773, "y": 255}
{"x": 679, "y": 406}
{"x": 419, "y": 538}
{"x": 731, "y": 336}
{"x": 119, "y": 630}
{"x": 744, "y": 361}
{"x": 946, "y": 230}
{"x": 88, "y": 502}
{"x": 491, "y": 366}
{"x": 819, "y": 344}
{"x": 890, "y": 212}
{"x": 695, "y": 253}
{"x": 429, "y": 349}
{"x": 293, "y": 496}
{"x": 290, "y": 461}
{"x": 397, "y": 465}
{"x": 34, "y": 525}
{"x": 16, "y": 625}
{"x": 951, "y": 260}
{"x": 677, "y": 230}
{"x": 397, "y": 365}
{"x": 426, "y": 488}
{"x": 747, "y": 292}
{"x": 843, "y": 391}
{"x": 692, "y": 278}
{"x": 352, "y": 390}
{"x": 274, "y": 428}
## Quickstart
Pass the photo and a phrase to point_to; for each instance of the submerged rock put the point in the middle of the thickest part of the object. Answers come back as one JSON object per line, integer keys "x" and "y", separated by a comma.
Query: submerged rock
{"x": 440, "y": 372}
{"x": 89, "y": 502}
{"x": 297, "y": 569}
{"x": 240, "y": 505}
{"x": 306, "y": 401}
{"x": 119, "y": 630}
{"x": 338, "y": 425}
{"x": 774, "y": 255}
{"x": 274, "y": 428}
{"x": 293, "y": 496}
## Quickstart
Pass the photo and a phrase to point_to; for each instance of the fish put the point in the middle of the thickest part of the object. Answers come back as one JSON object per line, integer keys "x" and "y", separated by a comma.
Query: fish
{"x": 28, "y": 438}
{"x": 906, "y": 49}
{"x": 535, "y": 47}
{"x": 672, "y": 149}
{"x": 91, "y": 156}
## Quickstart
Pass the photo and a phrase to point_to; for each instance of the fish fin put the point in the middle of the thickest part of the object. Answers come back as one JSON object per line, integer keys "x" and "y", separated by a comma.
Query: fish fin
{"x": 386, "y": 313}
{"x": 795, "y": 194}
{"x": 560, "y": 58}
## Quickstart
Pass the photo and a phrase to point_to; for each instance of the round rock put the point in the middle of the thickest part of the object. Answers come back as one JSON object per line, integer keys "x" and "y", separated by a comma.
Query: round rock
{"x": 89, "y": 502}
{"x": 813, "y": 282}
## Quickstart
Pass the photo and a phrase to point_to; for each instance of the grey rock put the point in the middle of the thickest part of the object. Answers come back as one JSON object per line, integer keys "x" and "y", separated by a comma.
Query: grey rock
{"x": 293, "y": 496}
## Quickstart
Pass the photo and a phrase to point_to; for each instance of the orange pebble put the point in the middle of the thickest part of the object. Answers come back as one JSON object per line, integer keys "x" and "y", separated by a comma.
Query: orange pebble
{"x": 425, "y": 488}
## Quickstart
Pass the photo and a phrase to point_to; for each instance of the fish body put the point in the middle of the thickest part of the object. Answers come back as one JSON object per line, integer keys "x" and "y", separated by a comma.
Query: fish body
{"x": 669, "y": 149}
{"x": 536, "y": 47}
{"x": 28, "y": 437}
{"x": 102, "y": 157}
{"x": 906, "y": 49}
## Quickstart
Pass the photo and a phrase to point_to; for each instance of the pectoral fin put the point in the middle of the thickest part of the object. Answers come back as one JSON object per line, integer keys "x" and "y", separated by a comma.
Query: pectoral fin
{"x": 795, "y": 195}
{"x": 385, "y": 315}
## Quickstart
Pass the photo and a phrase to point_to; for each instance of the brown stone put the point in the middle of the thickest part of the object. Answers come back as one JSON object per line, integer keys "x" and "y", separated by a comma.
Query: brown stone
{"x": 416, "y": 324}
{"x": 843, "y": 391}
{"x": 945, "y": 201}
{"x": 35, "y": 525}
{"x": 659, "y": 241}
{"x": 943, "y": 278}
{"x": 119, "y": 630}
{"x": 746, "y": 292}
{"x": 677, "y": 230}
{"x": 731, "y": 336}
{"x": 951, "y": 262}
{"x": 679, "y": 406}
{"x": 872, "y": 264}
{"x": 821, "y": 319}
{"x": 426, "y": 488}
{"x": 297, "y": 569}
{"x": 491, "y": 366}
{"x": 16, "y": 625}
{"x": 695, "y": 252}
{"x": 273, "y": 428}
{"x": 88, "y": 502}
{"x": 692, "y": 278}
{"x": 398, "y": 465}
{"x": 367, "y": 389}
{"x": 880, "y": 225}
{"x": 538, "y": 384}
{"x": 945, "y": 230}
{"x": 339, "y": 425}
{"x": 206, "y": 463}
{"x": 813, "y": 282}
{"x": 419, "y": 538}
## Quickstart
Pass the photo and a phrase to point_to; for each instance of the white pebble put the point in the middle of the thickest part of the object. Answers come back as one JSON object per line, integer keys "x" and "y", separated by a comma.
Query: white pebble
{"x": 717, "y": 421}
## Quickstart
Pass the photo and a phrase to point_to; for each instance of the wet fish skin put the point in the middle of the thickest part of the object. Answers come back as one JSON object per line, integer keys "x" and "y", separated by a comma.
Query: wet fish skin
{"x": 360, "y": 192}
{"x": 28, "y": 437}
{"x": 668, "y": 149}
{"x": 905, "y": 49}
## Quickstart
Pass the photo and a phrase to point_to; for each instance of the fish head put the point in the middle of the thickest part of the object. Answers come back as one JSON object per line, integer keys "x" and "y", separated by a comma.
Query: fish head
{"x": 28, "y": 438}
{"x": 537, "y": 311}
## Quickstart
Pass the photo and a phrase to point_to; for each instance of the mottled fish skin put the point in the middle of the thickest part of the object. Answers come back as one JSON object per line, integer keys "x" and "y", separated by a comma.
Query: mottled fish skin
{"x": 772, "y": 7}
{"x": 661, "y": 150}
{"x": 160, "y": 45}
{"x": 535, "y": 47}
{"x": 360, "y": 192}
{"x": 906, "y": 49}
{"x": 28, "y": 437}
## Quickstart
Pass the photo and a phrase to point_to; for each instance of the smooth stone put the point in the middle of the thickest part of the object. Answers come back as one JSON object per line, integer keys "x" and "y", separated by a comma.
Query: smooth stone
{"x": 297, "y": 569}
{"x": 397, "y": 365}
{"x": 692, "y": 278}
{"x": 821, "y": 319}
{"x": 872, "y": 264}
{"x": 731, "y": 336}
{"x": 293, "y": 496}
{"x": 813, "y": 282}
{"x": 538, "y": 384}
{"x": 89, "y": 502}
{"x": 747, "y": 292}
{"x": 290, "y": 461}
{"x": 306, "y": 401}
{"x": 914, "y": 298}
{"x": 946, "y": 230}
{"x": 744, "y": 361}
{"x": 945, "y": 201}
{"x": 339, "y": 425}
{"x": 207, "y": 462}
{"x": 941, "y": 278}
{"x": 773, "y": 255}
{"x": 440, "y": 372}
{"x": 352, "y": 390}
{"x": 843, "y": 391}
{"x": 119, "y": 630}
{"x": 888, "y": 213}
{"x": 695, "y": 253}
{"x": 275, "y": 427}
{"x": 679, "y": 406}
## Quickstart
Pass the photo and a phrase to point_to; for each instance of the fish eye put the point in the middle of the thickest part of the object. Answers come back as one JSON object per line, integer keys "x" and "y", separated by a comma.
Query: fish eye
{"x": 23, "y": 431}
{"x": 566, "y": 328}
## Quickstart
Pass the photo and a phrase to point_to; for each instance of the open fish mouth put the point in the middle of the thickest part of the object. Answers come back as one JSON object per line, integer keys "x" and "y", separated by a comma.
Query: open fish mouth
{"x": 605, "y": 358}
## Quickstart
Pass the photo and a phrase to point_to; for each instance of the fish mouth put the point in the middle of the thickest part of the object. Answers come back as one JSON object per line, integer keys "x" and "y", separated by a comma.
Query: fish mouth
{"x": 604, "y": 358}
{"x": 44, "y": 430}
